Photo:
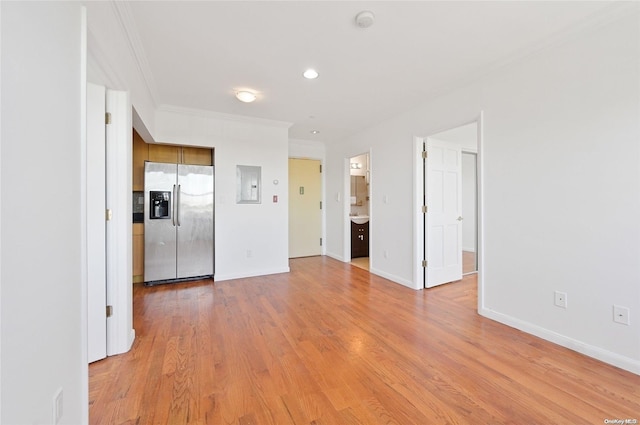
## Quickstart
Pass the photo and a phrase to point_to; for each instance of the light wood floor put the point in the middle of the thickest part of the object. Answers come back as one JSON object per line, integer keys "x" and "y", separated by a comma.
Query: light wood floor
{"x": 362, "y": 262}
{"x": 468, "y": 262}
{"x": 331, "y": 344}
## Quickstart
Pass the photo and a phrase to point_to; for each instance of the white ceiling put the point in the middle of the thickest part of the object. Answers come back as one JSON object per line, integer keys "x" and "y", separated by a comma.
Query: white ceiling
{"x": 199, "y": 53}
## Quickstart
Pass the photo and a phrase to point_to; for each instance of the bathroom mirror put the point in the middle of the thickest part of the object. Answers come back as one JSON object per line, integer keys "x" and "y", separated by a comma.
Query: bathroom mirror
{"x": 358, "y": 190}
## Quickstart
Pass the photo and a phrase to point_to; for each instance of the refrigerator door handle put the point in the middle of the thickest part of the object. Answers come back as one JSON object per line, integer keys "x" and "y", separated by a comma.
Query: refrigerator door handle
{"x": 173, "y": 215}
{"x": 178, "y": 206}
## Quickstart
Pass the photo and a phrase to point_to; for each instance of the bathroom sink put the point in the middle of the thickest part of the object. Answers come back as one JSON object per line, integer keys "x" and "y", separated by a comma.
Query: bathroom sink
{"x": 360, "y": 219}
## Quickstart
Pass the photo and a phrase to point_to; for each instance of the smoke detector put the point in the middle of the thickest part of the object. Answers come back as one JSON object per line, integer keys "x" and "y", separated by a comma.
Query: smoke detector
{"x": 365, "y": 19}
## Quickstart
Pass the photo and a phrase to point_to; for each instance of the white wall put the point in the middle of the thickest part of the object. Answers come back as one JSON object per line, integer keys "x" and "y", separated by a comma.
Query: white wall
{"x": 565, "y": 161}
{"x": 560, "y": 153}
{"x": 41, "y": 255}
{"x": 309, "y": 149}
{"x": 115, "y": 60}
{"x": 251, "y": 239}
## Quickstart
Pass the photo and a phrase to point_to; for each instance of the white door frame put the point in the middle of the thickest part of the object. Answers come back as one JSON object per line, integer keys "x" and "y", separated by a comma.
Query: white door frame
{"x": 120, "y": 332}
{"x": 418, "y": 247}
{"x": 95, "y": 181}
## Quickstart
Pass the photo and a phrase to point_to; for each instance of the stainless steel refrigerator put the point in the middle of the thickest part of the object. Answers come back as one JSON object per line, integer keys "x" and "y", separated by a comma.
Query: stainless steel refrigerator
{"x": 178, "y": 222}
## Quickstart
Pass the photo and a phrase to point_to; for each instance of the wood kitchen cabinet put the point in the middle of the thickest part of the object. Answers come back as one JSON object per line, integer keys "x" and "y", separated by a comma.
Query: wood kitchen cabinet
{"x": 180, "y": 154}
{"x": 164, "y": 153}
{"x": 138, "y": 252}
{"x": 197, "y": 156}
{"x": 359, "y": 240}
{"x": 140, "y": 155}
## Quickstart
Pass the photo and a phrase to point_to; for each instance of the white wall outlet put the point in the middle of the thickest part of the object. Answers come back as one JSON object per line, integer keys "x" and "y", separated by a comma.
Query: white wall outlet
{"x": 249, "y": 253}
{"x": 621, "y": 314}
{"x": 57, "y": 407}
{"x": 560, "y": 299}
{"x": 384, "y": 253}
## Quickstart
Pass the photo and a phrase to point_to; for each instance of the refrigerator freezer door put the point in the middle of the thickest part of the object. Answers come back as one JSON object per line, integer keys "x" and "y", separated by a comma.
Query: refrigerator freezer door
{"x": 195, "y": 221}
{"x": 159, "y": 234}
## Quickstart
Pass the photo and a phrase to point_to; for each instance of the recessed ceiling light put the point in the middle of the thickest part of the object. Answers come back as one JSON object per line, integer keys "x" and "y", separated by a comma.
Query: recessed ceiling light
{"x": 310, "y": 74}
{"x": 315, "y": 131}
{"x": 245, "y": 96}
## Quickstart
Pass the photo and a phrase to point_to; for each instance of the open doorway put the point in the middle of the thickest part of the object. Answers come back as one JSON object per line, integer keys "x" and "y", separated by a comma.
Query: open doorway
{"x": 449, "y": 205}
{"x": 359, "y": 209}
{"x": 469, "y": 212}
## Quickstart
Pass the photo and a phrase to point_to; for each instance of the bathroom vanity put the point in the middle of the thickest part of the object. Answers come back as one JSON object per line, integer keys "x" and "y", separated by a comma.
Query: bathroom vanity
{"x": 359, "y": 237}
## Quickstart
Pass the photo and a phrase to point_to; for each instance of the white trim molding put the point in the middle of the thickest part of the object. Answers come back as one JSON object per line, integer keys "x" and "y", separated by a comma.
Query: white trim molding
{"x": 221, "y": 116}
{"x": 598, "y": 353}
{"x": 120, "y": 333}
{"x": 264, "y": 272}
{"x": 123, "y": 12}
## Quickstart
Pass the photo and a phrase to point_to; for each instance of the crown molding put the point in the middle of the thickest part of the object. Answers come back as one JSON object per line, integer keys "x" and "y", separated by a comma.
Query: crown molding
{"x": 100, "y": 71}
{"x": 203, "y": 113}
{"x": 123, "y": 13}
{"x": 307, "y": 143}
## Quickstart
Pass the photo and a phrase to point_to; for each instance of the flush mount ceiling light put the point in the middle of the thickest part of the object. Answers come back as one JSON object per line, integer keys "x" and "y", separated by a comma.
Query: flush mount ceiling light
{"x": 310, "y": 74}
{"x": 315, "y": 131}
{"x": 245, "y": 96}
{"x": 365, "y": 19}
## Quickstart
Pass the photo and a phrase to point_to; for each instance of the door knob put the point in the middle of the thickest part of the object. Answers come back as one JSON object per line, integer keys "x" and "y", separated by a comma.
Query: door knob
{"x": 460, "y": 218}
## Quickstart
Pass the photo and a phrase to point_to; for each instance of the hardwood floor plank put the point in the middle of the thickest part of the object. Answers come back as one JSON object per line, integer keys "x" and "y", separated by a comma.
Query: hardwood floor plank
{"x": 329, "y": 343}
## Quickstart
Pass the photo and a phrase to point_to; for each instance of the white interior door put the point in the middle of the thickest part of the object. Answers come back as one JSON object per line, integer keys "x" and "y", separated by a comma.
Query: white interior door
{"x": 305, "y": 215}
{"x": 444, "y": 208}
{"x": 96, "y": 224}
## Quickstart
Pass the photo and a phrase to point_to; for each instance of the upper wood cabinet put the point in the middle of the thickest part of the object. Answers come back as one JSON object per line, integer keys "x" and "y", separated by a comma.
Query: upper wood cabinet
{"x": 180, "y": 154}
{"x": 140, "y": 155}
{"x": 164, "y": 153}
{"x": 197, "y": 156}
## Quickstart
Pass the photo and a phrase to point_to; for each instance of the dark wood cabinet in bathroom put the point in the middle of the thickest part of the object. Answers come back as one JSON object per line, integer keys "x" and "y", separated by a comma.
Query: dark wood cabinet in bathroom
{"x": 359, "y": 240}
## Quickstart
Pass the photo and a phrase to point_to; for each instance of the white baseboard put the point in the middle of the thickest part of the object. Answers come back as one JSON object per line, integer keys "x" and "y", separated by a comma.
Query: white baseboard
{"x": 221, "y": 277}
{"x": 598, "y": 353}
{"x": 335, "y": 256}
{"x": 132, "y": 337}
{"x": 472, "y": 249}
{"x": 393, "y": 278}
{"x": 123, "y": 343}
